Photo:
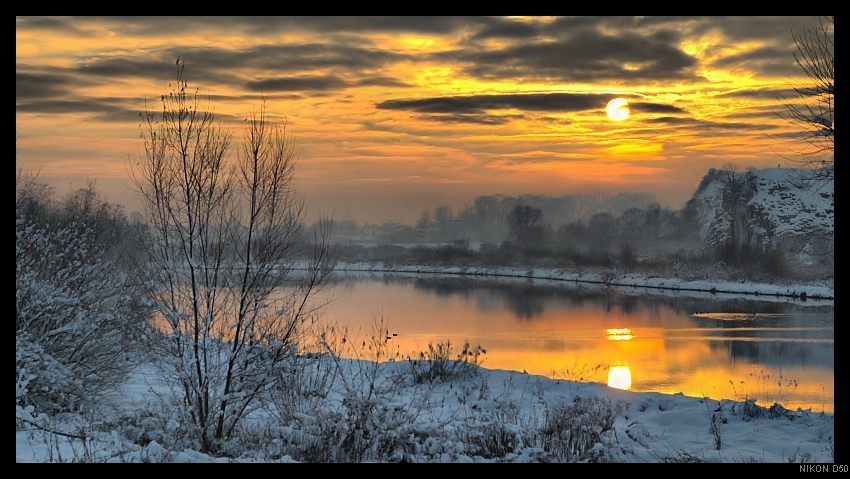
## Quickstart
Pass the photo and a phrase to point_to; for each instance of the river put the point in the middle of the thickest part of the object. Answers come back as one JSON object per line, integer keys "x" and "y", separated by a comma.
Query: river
{"x": 779, "y": 350}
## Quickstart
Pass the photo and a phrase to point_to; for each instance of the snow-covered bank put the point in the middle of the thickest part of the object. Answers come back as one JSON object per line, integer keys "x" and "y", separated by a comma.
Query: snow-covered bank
{"x": 819, "y": 293}
{"x": 486, "y": 416}
{"x": 394, "y": 411}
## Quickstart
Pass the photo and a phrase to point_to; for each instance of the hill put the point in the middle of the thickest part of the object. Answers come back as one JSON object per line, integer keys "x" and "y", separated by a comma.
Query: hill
{"x": 774, "y": 208}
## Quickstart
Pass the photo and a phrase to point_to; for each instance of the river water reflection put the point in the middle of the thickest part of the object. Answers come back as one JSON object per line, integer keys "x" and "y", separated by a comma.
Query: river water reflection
{"x": 772, "y": 351}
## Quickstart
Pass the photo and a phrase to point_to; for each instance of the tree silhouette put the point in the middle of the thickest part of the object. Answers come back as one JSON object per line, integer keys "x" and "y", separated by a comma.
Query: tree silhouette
{"x": 812, "y": 112}
{"x": 522, "y": 221}
{"x": 224, "y": 238}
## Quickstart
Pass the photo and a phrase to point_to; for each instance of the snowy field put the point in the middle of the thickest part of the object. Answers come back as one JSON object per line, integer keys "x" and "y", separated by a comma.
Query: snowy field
{"x": 486, "y": 416}
{"x": 345, "y": 410}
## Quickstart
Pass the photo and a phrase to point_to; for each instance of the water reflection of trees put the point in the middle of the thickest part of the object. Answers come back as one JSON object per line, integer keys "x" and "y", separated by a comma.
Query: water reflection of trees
{"x": 747, "y": 330}
{"x": 764, "y": 338}
{"x": 526, "y": 301}
{"x": 737, "y": 338}
{"x": 778, "y": 353}
{"x": 529, "y": 300}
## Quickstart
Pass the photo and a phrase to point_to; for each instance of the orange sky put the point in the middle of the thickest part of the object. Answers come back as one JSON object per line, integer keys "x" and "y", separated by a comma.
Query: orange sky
{"x": 398, "y": 115}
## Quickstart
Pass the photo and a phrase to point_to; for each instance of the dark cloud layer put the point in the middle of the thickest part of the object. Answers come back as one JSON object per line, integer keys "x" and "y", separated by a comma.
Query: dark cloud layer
{"x": 112, "y": 110}
{"x": 482, "y": 103}
{"x": 647, "y": 107}
{"x": 479, "y": 108}
{"x": 327, "y": 82}
{"x": 342, "y": 54}
{"x": 566, "y": 49}
{"x": 469, "y": 119}
{"x": 591, "y": 56}
{"x": 40, "y": 85}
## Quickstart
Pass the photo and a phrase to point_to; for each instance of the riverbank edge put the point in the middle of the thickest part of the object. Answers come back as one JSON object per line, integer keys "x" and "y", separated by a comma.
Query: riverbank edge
{"x": 608, "y": 279}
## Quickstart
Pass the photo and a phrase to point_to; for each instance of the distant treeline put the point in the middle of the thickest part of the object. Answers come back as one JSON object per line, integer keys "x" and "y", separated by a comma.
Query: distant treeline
{"x": 487, "y": 219}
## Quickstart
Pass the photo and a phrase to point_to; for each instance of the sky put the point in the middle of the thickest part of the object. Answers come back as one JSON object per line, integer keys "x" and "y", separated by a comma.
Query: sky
{"x": 394, "y": 116}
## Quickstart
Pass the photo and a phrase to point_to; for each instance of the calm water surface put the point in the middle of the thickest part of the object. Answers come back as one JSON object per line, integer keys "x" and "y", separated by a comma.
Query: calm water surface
{"x": 772, "y": 351}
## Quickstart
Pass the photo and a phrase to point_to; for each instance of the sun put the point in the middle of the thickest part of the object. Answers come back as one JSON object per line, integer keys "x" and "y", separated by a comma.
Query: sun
{"x": 617, "y": 109}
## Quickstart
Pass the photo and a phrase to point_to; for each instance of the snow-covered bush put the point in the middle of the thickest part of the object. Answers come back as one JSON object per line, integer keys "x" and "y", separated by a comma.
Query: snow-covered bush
{"x": 70, "y": 308}
{"x": 574, "y": 432}
{"x": 40, "y": 380}
{"x": 330, "y": 409}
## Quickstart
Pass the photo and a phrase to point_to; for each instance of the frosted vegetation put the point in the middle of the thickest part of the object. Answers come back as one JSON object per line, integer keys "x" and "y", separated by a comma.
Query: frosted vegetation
{"x": 188, "y": 331}
{"x": 91, "y": 386}
{"x": 774, "y": 226}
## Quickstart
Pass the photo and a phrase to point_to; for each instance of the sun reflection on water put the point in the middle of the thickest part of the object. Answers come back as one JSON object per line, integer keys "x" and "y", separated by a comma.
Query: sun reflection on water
{"x": 619, "y": 334}
{"x": 620, "y": 376}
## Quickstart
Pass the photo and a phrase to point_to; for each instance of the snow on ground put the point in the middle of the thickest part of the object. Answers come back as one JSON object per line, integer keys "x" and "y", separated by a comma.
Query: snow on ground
{"x": 649, "y": 284}
{"x": 454, "y": 419}
{"x": 461, "y": 419}
{"x": 794, "y": 206}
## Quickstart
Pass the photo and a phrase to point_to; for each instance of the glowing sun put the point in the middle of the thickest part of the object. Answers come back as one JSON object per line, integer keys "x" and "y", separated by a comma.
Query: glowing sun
{"x": 617, "y": 109}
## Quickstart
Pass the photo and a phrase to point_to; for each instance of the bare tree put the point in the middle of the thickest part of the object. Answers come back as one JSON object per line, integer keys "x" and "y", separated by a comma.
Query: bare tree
{"x": 227, "y": 267}
{"x": 632, "y": 222}
{"x": 736, "y": 192}
{"x": 522, "y": 221}
{"x": 652, "y": 218}
{"x": 812, "y": 112}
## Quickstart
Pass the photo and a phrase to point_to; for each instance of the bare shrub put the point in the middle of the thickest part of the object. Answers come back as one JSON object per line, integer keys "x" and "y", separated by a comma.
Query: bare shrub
{"x": 227, "y": 267}
{"x": 579, "y": 431}
{"x": 349, "y": 402}
{"x": 440, "y": 363}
